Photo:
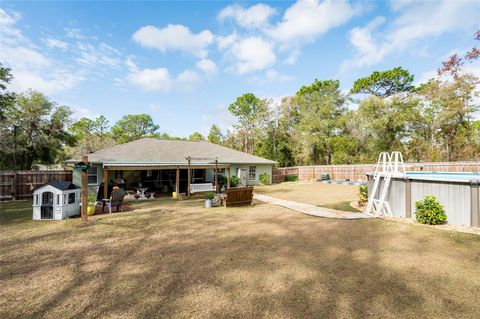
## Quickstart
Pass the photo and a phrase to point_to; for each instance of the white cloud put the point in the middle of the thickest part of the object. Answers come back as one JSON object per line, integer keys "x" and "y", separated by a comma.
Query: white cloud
{"x": 74, "y": 33}
{"x": 79, "y": 112}
{"x": 99, "y": 55}
{"x": 308, "y": 19}
{"x": 251, "y": 54}
{"x": 7, "y": 19}
{"x": 56, "y": 44}
{"x": 207, "y": 66}
{"x": 174, "y": 37}
{"x": 417, "y": 21}
{"x": 253, "y": 17}
{"x": 152, "y": 79}
{"x": 271, "y": 76}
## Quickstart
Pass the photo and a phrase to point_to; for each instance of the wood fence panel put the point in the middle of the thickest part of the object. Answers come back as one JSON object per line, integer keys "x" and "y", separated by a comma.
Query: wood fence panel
{"x": 358, "y": 171}
{"x": 19, "y": 185}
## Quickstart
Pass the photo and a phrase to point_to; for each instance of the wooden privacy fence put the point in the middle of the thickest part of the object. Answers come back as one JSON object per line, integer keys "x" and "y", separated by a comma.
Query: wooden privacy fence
{"x": 19, "y": 184}
{"x": 357, "y": 172}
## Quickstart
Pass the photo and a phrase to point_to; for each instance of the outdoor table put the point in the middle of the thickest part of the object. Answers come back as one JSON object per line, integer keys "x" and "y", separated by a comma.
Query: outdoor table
{"x": 141, "y": 192}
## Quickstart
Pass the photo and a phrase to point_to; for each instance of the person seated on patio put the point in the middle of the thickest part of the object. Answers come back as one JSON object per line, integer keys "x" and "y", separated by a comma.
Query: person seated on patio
{"x": 116, "y": 199}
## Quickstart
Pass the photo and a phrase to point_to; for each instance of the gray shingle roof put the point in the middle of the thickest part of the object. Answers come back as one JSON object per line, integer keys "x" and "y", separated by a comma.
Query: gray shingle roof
{"x": 156, "y": 151}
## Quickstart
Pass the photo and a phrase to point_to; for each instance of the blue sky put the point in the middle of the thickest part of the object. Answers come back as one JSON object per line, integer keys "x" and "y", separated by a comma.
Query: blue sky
{"x": 185, "y": 62}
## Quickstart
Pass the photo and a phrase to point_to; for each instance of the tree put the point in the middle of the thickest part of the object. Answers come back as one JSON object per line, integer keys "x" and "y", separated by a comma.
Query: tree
{"x": 90, "y": 136}
{"x": 6, "y": 98}
{"x": 452, "y": 104}
{"x": 454, "y": 64}
{"x": 195, "y": 136}
{"x": 384, "y": 84}
{"x": 215, "y": 135}
{"x": 34, "y": 131}
{"x": 321, "y": 109}
{"x": 249, "y": 111}
{"x": 132, "y": 127}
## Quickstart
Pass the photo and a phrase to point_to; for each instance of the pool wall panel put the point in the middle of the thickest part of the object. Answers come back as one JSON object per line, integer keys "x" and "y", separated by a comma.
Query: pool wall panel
{"x": 455, "y": 198}
{"x": 459, "y": 199}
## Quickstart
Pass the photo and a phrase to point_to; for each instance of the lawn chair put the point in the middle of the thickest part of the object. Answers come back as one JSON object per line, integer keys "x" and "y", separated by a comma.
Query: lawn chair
{"x": 116, "y": 200}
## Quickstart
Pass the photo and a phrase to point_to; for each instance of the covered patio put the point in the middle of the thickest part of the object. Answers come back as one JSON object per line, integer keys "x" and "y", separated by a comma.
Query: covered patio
{"x": 156, "y": 179}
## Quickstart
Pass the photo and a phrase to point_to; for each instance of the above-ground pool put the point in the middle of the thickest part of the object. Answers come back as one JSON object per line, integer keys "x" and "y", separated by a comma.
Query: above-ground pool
{"x": 457, "y": 192}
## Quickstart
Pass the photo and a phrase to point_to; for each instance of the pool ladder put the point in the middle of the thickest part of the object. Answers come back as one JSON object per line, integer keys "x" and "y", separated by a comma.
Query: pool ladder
{"x": 387, "y": 166}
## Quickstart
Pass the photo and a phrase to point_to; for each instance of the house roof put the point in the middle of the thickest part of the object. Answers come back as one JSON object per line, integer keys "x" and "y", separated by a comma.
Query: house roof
{"x": 149, "y": 151}
{"x": 60, "y": 185}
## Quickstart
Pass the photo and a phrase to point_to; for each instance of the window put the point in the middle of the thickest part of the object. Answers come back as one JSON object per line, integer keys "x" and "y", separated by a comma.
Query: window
{"x": 71, "y": 198}
{"x": 58, "y": 199}
{"x": 92, "y": 175}
{"x": 36, "y": 199}
{"x": 64, "y": 198}
{"x": 221, "y": 171}
{"x": 252, "y": 172}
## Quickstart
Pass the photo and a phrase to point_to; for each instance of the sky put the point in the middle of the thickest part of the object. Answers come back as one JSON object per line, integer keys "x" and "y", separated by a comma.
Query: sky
{"x": 185, "y": 62}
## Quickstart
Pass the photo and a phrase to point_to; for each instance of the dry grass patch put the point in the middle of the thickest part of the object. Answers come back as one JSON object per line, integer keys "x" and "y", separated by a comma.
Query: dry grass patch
{"x": 335, "y": 196}
{"x": 175, "y": 259}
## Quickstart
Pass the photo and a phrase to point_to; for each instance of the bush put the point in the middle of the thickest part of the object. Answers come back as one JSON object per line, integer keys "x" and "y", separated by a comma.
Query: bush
{"x": 362, "y": 195}
{"x": 430, "y": 211}
{"x": 291, "y": 178}
{"x": 209, "y": 195}
{"x": 92, "y": 199}
{"x": 264, "y": 178}
{"x": 222, "y": 181}
{"x": 234, "y": 181}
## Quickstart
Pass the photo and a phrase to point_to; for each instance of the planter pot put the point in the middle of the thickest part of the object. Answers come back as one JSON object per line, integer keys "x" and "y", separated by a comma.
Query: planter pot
{"x": 91, "y": 210}
{"x": 208, "y": 203}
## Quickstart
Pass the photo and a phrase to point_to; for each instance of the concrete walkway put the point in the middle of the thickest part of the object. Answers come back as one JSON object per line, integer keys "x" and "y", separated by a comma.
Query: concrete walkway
{"x": 310, "y": 209}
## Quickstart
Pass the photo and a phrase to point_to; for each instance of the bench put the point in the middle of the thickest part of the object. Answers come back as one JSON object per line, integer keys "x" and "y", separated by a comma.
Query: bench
{"x": 238, "y": 196}
{"x": 202, "y": 187}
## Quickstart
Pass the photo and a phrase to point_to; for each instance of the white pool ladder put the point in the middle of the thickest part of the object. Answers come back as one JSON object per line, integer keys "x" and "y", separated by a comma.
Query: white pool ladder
{"x": 387, "y": 166}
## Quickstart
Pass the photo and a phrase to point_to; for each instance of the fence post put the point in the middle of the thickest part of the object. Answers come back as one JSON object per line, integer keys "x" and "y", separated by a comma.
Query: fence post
{"x": 13, "y": 190}
{"x": 474, "y": 203}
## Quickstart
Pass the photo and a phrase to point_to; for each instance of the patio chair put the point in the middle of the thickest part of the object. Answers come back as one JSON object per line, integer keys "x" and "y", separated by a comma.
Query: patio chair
{"x": 116, "y": 200}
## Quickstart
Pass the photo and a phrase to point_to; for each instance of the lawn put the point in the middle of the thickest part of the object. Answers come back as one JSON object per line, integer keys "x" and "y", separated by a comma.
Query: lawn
{"x": 175, "y": 259}
{"x": 324, "y": 195}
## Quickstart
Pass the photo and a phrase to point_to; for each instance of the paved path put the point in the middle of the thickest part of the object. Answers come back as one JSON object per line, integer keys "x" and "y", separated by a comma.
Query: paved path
{"x": 310, "y": 209}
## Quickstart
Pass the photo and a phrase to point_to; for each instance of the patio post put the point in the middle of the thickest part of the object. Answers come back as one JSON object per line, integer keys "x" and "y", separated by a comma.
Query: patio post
{"x": 83, "y": 212}
{"x": 177, "y": 182}
{"x": 216, "y": 175}
{"x": 228, "y": 177}
{"x": 105, "y": 183}
{"x": 189, "y": 176}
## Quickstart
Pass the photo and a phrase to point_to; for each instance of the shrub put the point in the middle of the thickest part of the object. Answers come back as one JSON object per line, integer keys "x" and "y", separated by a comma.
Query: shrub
{"x": 234, "y": 181}
{"x": 92, "y": 199}
{"x": 264, "y": 178}
{"x": 362, "y": 195}
{"x": 222, "y": 181}
{"x": 209, "y": 195}
{"x": 430, "y": 211}
{"x": 291, "y": 178}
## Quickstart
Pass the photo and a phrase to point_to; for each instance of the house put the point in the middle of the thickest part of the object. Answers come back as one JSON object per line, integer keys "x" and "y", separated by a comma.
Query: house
{"x": 56, "y": 200}
{"x": 164, "y": 166}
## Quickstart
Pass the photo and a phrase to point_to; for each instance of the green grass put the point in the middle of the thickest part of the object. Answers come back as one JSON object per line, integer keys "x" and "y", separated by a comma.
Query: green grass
{"x": 15, "y": 212}
{"x": 343, "y": 206}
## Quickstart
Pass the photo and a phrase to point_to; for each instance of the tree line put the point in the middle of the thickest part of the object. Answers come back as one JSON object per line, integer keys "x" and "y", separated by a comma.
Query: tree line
{"x": 320, "y": 124}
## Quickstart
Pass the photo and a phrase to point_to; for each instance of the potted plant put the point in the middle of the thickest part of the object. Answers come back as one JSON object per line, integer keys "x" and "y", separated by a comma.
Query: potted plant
{"x": 92, "y": 204}
{"x": 208, "y": 199}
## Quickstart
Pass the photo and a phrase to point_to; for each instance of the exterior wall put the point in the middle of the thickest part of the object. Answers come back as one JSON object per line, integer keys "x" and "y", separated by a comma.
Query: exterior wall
{"x": 77, "y": 178}
{"x": 61, "y": 210}
{"x": 261, "y": 169}
{"x": 454, "y": 196}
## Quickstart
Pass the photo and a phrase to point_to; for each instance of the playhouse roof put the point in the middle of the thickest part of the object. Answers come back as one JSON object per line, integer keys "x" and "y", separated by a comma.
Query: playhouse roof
{"x": 60, "y": 185}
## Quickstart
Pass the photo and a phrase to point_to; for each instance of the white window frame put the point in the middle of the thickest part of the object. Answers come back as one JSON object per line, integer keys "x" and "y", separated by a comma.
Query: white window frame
{"x": 74, "y": 198}
{"x": 96, "y": 175}
{"x": 254, "y": 173}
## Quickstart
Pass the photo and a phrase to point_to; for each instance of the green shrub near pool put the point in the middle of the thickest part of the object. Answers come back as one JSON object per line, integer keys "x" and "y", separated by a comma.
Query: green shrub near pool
{"x": 430, "y": 211}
